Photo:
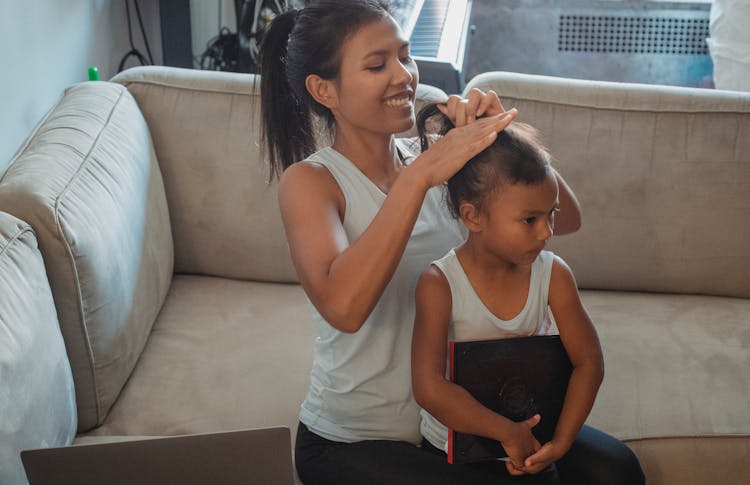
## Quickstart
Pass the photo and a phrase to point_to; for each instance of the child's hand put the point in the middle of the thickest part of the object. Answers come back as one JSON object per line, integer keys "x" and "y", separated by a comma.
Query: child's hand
{"x": 520, "y": 445}
{"x": 544, "y": 457}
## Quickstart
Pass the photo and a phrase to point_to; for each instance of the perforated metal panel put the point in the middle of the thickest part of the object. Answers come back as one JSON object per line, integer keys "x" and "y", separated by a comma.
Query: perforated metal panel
{"x": 638, "y": 41}
{"x": 633, "y": 35}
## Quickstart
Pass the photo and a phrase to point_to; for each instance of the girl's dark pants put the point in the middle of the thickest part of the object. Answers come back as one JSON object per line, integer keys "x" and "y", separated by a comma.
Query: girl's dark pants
{"x": 595, "y": 458}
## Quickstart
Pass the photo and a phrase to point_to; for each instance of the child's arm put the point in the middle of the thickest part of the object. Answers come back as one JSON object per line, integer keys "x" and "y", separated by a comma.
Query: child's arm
{"x": 449, "y": 403}
{"x": 582, "y": 344}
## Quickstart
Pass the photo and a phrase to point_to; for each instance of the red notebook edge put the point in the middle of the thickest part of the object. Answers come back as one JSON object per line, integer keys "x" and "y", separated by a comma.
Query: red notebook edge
{"x": 450, "y": 431}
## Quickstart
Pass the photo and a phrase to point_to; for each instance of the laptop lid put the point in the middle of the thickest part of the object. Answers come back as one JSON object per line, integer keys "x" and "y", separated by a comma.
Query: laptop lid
{"x": 254, "y": 456}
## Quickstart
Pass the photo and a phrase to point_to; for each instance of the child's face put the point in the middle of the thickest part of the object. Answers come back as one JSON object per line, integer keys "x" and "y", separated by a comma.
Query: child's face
{"x": 377, "y": 80}
{"x": 517, "y": 221}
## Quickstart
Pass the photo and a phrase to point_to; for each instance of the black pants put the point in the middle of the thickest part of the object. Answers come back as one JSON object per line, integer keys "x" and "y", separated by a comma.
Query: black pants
{"x": 595, "y": 458}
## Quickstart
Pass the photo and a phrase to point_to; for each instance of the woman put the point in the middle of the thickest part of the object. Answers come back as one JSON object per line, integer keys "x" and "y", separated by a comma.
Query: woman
{"x": 363, "y": 219}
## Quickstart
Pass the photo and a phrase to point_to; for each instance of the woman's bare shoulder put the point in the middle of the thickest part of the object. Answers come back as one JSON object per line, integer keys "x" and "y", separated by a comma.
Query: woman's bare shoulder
{"x": 310, "y": 181}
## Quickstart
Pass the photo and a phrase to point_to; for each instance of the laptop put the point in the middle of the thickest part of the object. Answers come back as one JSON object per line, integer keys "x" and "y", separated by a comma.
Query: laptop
{"x": 248, "y": 457}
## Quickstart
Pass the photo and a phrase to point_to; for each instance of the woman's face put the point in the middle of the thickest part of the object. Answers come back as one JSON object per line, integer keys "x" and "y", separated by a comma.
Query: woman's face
{"x": 377, "y": 81}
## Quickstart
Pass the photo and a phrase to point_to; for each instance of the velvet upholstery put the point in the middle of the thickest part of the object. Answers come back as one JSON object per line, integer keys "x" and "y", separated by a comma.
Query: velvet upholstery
{"x": 88, "y": 183}
{"x": 37, "y": 399}
{"x": 662, "y": 174}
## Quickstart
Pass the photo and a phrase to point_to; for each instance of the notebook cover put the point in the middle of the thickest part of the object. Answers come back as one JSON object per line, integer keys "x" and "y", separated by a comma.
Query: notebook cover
{"x": 516, "y": 377}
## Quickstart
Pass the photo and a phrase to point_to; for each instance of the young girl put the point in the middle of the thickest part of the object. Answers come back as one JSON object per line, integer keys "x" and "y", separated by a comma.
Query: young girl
{"x": 363, "y": 218}
{"x": 501, "y": 283}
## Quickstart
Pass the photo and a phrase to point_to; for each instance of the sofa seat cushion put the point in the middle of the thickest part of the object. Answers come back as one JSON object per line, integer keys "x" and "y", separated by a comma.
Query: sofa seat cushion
{"x": 677, "y": 381}
{"x": 37, "y": 398}
{"x": 88, "y": 183}
{"x": 224, "y": 354}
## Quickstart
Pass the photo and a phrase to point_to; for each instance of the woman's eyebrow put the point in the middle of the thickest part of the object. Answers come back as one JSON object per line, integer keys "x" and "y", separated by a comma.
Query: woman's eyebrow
{"x": 384, "y": 52}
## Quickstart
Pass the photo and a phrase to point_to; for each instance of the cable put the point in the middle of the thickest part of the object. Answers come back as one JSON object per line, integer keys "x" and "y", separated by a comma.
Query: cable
{"x": 133, "y": 51}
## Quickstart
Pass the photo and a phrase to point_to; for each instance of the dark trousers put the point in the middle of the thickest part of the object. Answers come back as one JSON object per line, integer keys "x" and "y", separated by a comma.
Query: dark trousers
{"x": 595, "y": 458}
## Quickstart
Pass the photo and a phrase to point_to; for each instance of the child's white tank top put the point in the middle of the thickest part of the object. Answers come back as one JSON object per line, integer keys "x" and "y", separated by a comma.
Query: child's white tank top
{"x": 472, "y": 320}
{"x": 360, "y": 384}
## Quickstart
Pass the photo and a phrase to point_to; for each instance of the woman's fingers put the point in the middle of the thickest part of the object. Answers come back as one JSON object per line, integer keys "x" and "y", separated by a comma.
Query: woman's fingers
{"x": 489, "y": 105}
{"x": 473, "y": 101}
{"x": 462, "y": 111}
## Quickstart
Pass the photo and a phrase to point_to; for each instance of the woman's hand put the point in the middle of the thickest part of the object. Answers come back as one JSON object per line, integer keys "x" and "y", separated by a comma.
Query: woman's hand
{"x": 451, "y": 152}
{"x": 520, "y": 445}
{"x": 462, "y": 111}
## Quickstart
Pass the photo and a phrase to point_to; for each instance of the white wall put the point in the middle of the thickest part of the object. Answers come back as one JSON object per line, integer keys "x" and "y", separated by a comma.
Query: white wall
{"x": 205, "y": 23}
{"x": 47, "y": 45}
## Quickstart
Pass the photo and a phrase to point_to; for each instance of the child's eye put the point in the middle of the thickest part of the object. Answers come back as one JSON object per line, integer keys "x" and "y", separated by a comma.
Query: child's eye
{"x": 376, "y": 68}
{"x": 529, "y": 220}
{"x": 406, "y": 59}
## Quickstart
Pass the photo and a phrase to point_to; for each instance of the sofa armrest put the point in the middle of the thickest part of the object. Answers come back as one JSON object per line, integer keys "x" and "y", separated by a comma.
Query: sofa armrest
{"x": 37, "y": 398}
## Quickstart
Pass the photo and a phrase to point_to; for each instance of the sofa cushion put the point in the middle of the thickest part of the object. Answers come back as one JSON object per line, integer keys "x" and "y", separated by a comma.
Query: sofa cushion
{"x": 225, "y": 215}
{"x": 37, "y": 398}
{"x": 676, "y": 381}
{"x": 662, "y": 174}
{"x": 224, "y": 354}
{"x": 88, "y": 183}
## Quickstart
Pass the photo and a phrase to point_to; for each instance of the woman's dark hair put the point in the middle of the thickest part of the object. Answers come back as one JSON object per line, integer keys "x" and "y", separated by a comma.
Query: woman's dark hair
{"x": 516, "y": 156}
{"x": 299, "y": 43}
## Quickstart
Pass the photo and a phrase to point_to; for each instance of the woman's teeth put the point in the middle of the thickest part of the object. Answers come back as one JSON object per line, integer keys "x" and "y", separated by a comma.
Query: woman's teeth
{"x": 396, "y": 102}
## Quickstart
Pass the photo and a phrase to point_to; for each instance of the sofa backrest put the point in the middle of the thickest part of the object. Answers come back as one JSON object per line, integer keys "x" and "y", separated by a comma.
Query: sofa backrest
{"x": 88, "y": 183}
{"x": 662, "y": 174}
{"x": 37, "y": 398}
{"x": 224, "y": 212}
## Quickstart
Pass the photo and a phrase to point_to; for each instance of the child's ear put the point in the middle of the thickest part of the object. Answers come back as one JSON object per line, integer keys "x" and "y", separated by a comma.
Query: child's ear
{"x": 470, "y": 216}
{"x": 322, "y": 90}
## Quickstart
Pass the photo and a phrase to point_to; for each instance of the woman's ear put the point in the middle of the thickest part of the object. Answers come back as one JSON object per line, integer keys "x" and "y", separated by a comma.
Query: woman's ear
{"x": 322, "y": 90}
{"x": 471, "y": 216}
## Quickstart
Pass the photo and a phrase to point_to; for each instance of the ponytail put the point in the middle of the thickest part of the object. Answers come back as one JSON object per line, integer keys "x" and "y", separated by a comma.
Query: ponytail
{"x": 286, "y": 132}
{"x": 431, "y": 113}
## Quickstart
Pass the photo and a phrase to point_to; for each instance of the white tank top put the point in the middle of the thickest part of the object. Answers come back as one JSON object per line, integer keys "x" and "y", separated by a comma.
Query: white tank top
{"x": 360, "y": 384}
{"x": 471, "y": 320}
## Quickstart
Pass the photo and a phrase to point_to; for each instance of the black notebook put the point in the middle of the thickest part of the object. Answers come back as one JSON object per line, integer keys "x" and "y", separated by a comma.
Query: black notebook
{"x": 516, "y": 377}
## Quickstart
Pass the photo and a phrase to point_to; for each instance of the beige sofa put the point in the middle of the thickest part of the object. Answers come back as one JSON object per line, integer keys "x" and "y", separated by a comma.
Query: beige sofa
{"x": 149, "y": 270}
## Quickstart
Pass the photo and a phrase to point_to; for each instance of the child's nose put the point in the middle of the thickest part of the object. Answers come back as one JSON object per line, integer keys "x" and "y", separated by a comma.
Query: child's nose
{"x": 547, "y": 230}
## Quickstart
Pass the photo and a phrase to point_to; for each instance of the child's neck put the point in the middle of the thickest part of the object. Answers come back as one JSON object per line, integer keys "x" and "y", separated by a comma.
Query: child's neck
{"x": 485, "y": 262}
{"x": 502, "y": 286}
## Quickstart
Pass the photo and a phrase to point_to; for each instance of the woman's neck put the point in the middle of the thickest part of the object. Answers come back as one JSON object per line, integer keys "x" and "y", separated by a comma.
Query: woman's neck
{"x": 375, "y": 155}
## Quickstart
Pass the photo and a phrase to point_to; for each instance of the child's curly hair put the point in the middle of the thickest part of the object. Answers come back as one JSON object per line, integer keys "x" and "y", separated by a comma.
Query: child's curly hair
{"x": 516, "y": 156}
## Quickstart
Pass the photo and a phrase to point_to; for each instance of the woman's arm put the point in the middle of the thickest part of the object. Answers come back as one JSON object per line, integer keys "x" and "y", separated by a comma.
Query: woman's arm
{"x": 582, "y": 345}
{"x": 449, "y": 403}
{"x": 568, "y": 220}
{"x": 345, "y": 279}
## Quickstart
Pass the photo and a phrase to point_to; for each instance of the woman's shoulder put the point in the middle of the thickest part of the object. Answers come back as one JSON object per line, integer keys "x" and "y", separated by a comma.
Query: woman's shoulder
{"x": 309, "y": 179}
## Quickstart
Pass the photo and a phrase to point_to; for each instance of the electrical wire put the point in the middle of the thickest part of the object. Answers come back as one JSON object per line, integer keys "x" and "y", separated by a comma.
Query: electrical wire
{"x": 134, "y": 52}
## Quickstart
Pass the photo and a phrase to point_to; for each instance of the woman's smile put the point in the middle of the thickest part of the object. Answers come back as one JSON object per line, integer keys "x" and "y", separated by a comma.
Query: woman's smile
{"x": 402, "y": 100}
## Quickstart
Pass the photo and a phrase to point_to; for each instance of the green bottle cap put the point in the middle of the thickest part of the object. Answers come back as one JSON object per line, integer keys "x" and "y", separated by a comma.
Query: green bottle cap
{"x": 93, "y": 73}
